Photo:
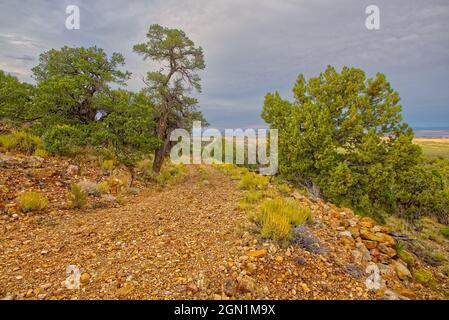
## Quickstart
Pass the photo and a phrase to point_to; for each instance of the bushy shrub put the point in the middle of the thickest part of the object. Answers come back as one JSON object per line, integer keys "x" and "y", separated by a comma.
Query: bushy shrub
{"x": 77, "y": 197}
{"x": 251, "y": 181}
{"x": 104, "y": 187}
{"x": 21, "y": 141}
{"x": 278, "y": 216}
{"x": 252, "y": 196}
{"x": 40, "y": 153}
{"x": 107, "y": 165}
{"x": 62, "y": 139}
{"x": 445, "y": 232}
{"x": 32, "y": 201}
{"x": 423, "y": 276}
{"x": 169, "y": 173}
{"x": 276, "y": 227}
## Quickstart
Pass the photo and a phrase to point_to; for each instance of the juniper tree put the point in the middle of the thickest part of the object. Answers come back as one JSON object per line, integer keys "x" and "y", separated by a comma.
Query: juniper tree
{"x": 343, "y": 138}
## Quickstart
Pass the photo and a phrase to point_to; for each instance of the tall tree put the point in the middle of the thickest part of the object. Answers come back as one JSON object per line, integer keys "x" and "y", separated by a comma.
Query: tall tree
{"x": 70, "y": 80}
{"x": 180, "y": 61}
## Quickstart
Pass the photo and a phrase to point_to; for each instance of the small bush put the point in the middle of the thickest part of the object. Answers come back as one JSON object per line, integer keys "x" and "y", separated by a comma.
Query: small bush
{"x": 286, "y": 207}
{"x": 251, "y": 181}
{"x": 107, "y": 165}
{"x": 404, "y": 255}
{"x": 278, "y": 216}
{"x": 252, "y": 196}
{"x": 21, "y": 141}
{"x": 276, "y": 227}
{"x": 170, "y": 173}
{"x": 77, "y": 197}
{"x": 40, "y": 153}
{"x": 32, "y": 201}
{"x": 445, "y": 232}
{"x": 104, "y": 187}
{"x": 423, "y": 276}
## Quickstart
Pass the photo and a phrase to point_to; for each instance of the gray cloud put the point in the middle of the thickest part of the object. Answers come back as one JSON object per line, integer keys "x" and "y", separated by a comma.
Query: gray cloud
{"x": 253, "y": 47}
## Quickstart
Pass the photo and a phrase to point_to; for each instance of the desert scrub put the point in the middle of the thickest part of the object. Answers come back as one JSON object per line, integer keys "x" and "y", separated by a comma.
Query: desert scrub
{"x": 104, "y": 187}
{"x": 203, "y": 173}
{"x": 278, "y": 216}
{"x": 77, "y": 197}
{"x": 41, "y": 153}
{"x": 32, "y": 201}
{"x": 404, "y": 255}
{"x": 423, "y": 276}
{"x": 445, "y": 232}
{"x": 170, "y": 173}
{"x": 252, "y": 181}
{"x": 107, "y": 165}
{"x": 21, "y": 141}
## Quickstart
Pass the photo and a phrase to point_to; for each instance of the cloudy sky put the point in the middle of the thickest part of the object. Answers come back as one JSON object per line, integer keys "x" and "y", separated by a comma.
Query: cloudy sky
{"x": 254, "y": 46}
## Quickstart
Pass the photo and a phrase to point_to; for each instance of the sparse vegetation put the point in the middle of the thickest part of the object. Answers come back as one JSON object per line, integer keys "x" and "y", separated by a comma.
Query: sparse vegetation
{"x": 77, "y": 197}
{"x": 32, "y": 201}
{"x": 21, "y": 141}
{"x": 278, "y": 216}
{"x": 104, "y": 187}
{"x": 423, "y": 276}
{"x": 252, "y": 181}
{"x": 107, "y": 165}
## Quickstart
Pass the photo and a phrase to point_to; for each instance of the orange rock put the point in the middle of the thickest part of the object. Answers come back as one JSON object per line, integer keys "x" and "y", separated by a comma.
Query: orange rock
{"x": 257, "y": 253}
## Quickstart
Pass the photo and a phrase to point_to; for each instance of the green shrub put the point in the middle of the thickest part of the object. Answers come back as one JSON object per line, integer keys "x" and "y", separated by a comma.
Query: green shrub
{"x": 445, "y": 232}
{"x": 32, "y": 201}
{"x": 252, "y": 196}
{"x": 21, "y": 141}
{"x": 77, "y": 197}
{"x": 62, "y": 139}
{"x": 170, "y": 173}
{"x": 40, "y": 153}
{"x": 107, "y": 165}
{"x": 423, "y": 276}
{"x": 104, "y": 187}
{"x": 253, "y": 181}
{"x": 403, "y": 254}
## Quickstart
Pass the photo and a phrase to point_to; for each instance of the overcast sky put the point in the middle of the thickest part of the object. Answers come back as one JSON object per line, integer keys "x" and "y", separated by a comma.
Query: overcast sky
{"x": 254, "y": 46}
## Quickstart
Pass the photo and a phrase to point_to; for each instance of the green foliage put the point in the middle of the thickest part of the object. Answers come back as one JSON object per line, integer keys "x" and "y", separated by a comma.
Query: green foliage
{"x": 169, "y": 174}
{"x": 71, "y": 82}
{"x": 21, "y": 141}
{"x": 104, "y": 187}
{"x": 406, "y": 256}
{"x": 107, "y": 165}
{"x": 32, "y": 201}
{"x": 423, "y": 276}
{"x": 40, "y": 153}
{"x": 277, "y": 217}
{"x": 15, "y": 98}
{"x": 251, "y": 181}
{"x": 63, "y": 139}
{"x": 128, "y": 131}
{"x": 343, "y": 138}
{"x": 445, "y": 232}
{"x": 77, "y": 197}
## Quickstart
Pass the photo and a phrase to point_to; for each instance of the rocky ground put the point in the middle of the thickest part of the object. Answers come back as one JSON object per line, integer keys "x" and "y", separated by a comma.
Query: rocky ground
{"x": 188, "y": 240}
